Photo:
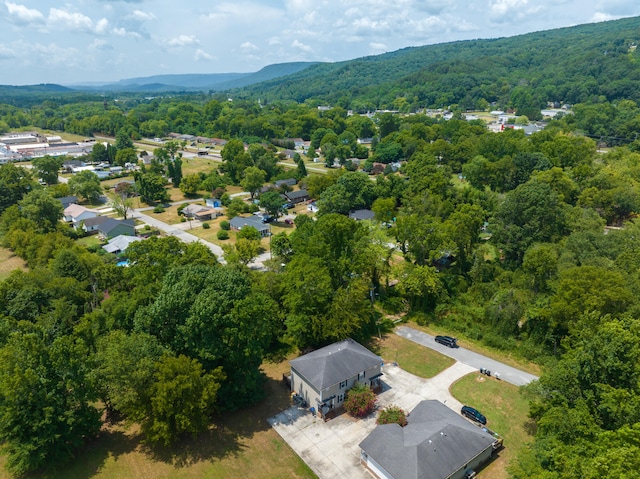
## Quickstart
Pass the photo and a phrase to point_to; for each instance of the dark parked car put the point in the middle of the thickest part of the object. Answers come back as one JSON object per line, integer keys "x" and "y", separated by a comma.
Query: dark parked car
{"x": 473, "y": 414}
{"x": 447, "y": 341}
{"x": 288, "y": 221}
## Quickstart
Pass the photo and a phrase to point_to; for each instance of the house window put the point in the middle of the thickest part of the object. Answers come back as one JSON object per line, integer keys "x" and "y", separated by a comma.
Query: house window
{"x": 343, "y": 384}
{"x": 340, "y": 398}
{"x": 361, "y": 375}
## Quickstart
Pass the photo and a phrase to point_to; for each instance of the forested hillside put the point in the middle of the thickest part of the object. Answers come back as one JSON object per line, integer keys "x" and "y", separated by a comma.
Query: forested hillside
{"x": 572, "y": 65}
{"x": 526, "y": 244}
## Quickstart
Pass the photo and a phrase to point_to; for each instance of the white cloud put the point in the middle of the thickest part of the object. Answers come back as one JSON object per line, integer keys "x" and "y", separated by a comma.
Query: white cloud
{"x": 123, "y": 32}
{"x": 102, "y": 26}
{"x": 22, "y": 14}
{"x": 6, "y": 53}
{"x": 100, "y": 44}
{"x": 300, "y": 46}
{"x": 248, "y": 47}
{"x": 183, "y": 41}
{"x": 378, "y": 46}
{"x": 201, "y": 55}
{"x": 503, "y": 8}
{"x": 275, "y": 41}
{"x": 68, "y": 20}
{"x": 141, "y": 16}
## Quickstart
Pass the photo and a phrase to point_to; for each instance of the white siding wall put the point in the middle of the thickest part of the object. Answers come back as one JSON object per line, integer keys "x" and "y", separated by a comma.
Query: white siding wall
{"x": 375, "y": 468}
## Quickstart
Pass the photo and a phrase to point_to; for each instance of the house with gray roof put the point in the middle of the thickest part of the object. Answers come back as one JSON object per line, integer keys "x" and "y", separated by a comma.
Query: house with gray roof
{"x": 120, "y": 243}
{"x": 436, "y": 443}
{"x": 112, "y": 227}
{"x": 323, "y": 377}
{"x": 91, "y": 224}
{"x": 360, "y": 215}
{"x": 240, "y": 222}
{"x": 67, "y": 200}
{"x": 297, "y": 196}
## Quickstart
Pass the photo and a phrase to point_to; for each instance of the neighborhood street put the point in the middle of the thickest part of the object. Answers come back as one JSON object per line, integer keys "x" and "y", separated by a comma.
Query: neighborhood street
{"x": 172, "y": 230}
{"x": 475, "y": 360}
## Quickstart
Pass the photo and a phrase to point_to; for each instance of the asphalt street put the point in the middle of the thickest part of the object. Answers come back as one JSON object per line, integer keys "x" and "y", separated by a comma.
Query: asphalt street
{"x": 470, "y": 358}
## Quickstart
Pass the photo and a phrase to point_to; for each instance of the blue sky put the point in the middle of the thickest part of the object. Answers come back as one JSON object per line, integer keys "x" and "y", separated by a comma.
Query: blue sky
{"x": 46, "y": 41}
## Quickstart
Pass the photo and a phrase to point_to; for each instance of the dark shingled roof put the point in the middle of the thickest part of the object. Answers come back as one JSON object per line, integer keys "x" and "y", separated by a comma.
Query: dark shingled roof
{"x": 435, "y": 443}
{"x": 334, "y": 363}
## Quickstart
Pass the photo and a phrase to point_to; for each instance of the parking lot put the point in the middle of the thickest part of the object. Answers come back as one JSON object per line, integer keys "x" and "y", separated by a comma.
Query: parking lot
{"x": 331, "y": 449}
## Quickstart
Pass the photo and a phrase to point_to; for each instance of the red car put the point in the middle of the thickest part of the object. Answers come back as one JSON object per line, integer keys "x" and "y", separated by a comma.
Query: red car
{"x": 288, "y": 221}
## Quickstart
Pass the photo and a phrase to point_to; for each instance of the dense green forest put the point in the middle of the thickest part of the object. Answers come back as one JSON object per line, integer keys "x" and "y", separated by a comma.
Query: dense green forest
{"x": 529, "y": 244}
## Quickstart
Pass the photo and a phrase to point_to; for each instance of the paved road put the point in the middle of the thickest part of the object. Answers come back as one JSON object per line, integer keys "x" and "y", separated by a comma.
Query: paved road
{"x": 475, "y": 360}
{"x": 178, "y": 233}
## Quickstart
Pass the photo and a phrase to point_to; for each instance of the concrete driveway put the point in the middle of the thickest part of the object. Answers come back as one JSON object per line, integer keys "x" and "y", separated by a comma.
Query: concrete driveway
{"x": 475, "y": 360}
{"x": 331, "y": 449}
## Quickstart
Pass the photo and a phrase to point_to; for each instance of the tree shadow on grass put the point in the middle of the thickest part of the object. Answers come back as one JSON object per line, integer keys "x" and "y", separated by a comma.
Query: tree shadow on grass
{"x": 229, "y": 433}
{"x": 110, "y": 442}
{"x": 228, "y": 437}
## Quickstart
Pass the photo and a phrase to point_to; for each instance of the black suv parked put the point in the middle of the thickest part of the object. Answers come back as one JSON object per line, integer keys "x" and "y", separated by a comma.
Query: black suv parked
{"x": 473, "y": 414}
{"x": 447, "y": 341}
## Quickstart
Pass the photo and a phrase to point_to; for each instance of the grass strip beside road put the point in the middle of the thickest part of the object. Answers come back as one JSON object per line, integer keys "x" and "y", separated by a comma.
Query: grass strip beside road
{"x": 507, "y": 412}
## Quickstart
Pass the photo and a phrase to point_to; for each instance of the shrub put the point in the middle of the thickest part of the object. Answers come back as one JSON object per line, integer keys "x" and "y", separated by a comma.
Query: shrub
{"x": 222, "y": 235}
{"x": 392, "y": 415}
{"x": 181, "y": 207}
{"x": 147, "y": 227}
{"x": 225, "y": 225}
{"x": 206, "y": 226}
{"x": 183, "y": 219}
{"x": 158, "y": 209}
{"x": 360, "y": 400}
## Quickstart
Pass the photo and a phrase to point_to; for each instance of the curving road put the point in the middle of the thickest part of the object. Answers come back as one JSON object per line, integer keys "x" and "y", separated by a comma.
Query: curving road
{"x": 470, "y": 358}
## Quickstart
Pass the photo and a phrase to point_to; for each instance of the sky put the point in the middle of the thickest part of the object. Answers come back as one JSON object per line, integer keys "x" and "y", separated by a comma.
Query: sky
{"x": 81, "y": 41}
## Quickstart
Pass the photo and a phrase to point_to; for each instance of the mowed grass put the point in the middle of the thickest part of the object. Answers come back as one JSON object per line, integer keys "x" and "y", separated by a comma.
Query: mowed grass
{"x": 507, "y": 413}
{"x": 241, "y": 444}
{"x": 9, "y": 262}
{"x": 411, "y": 357}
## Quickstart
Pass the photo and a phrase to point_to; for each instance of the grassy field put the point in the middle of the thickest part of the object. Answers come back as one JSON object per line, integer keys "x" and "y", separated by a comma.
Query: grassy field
{"x": 9, "y": 262}
{"x": 242, "y": 444}
{"x": 411, "y": 357}
{"x": 507, "y": 414}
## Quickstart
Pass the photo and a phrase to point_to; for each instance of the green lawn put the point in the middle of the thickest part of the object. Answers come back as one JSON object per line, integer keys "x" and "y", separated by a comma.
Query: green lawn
{"x": 507, "y": 414}
{"x": 411, "y": 357}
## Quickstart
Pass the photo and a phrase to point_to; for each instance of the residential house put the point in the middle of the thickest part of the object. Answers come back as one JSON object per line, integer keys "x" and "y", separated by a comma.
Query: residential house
{"x": 112, "y": 227}
{"x": 91, "y": 224}
{"x": 360, "y": 215}
{"x": 67, "y": 200}
{"x": 200, "y": 212}
{"x": 240, "y": 222}
{"x": 213, "y": 203}
{"x": 119, "y": 244}
{"x": 289, "y": 154}
{"x": 436, "y": 443}
{"x": 323, "y": 377}
{"x": 297, "y": 196}
{"x": 290, "y": 182}
{"x": 75, "y": 214}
